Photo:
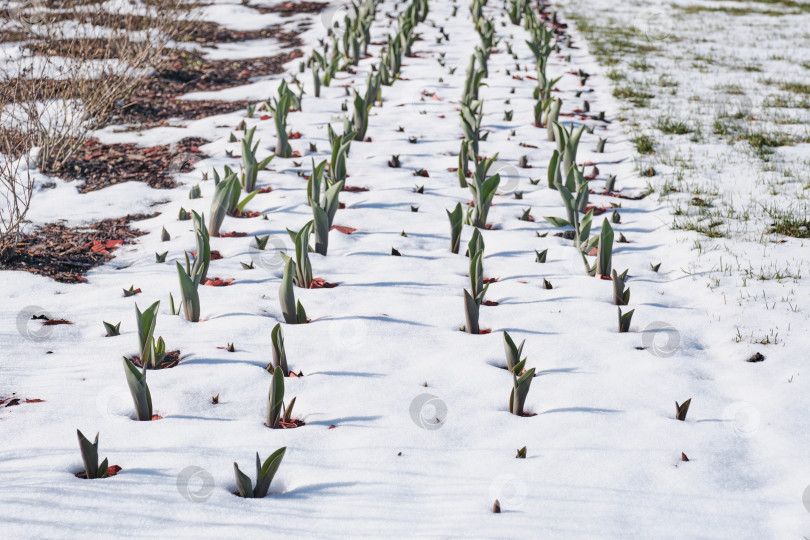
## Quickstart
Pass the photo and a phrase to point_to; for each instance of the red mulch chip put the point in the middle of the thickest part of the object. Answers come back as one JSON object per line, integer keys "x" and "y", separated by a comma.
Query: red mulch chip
{"x": 102, "y": 246}
{"x": 215, "y": 255}
{"x": 319, "y": 283}
{"x": 341, "y": 228}
{"x": 217, "y": 282}
{"x": 597, "y": 210}
{"x": 247, "y": 214}
{"x": 54, "y": 322}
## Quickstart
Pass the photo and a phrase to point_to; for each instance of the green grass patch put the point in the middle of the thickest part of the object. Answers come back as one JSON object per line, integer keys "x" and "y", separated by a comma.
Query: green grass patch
{"x": 670, "y": 126}
{"x": 645, "y": 144}
{"x": 788, "y": 223}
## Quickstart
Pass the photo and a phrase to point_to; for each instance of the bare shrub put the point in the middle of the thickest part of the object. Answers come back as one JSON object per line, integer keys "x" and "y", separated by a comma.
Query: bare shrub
{"x": 79, "y": 64}
{"x": 16, "y": 183}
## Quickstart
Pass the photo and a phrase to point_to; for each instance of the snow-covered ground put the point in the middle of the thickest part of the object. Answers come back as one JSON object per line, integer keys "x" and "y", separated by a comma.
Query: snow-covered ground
{"x": 383, "y": 356}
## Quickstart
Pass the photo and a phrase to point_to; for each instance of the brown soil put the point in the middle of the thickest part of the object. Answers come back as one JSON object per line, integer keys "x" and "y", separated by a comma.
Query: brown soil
{"x": 292, "y": 8}
{"x": 154, "y": 100}
{"x": 101, "y": 165}
{"x": 171, "y": 359}
{"x": 66, "y": 253}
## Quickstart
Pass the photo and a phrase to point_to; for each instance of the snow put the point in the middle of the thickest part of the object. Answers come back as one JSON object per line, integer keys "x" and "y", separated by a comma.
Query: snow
{"x": 604, "y": 449}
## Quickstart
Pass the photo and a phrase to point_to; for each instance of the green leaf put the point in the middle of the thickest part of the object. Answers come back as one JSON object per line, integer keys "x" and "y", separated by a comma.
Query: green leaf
{"x": 261, "y": 241}
{"x": 303, "y": 267}
{"x": 321, "y": 227}
{"x": 471, "y": 314}
{"x": 279, "y": 353}
{"x": 584, "y": 230}
{"x": 682, "y": 409}
{"x": 203, "y": 258}
{"x": 243, "y": 483}
{"x": 269, "y": 470}
{"x": 241, "y": 206}
{"x": 146, "y": 328}
{"x": 112, "y": 330}
{"x": 624, "y": 320}
{"x": 265, "y": 162}
{"x": 315, "y": 182}
{"x": 332, "y": 200}
{"x": 605, "y": 250}
{"x": 570, "y": 205}
{"x": 300, "y": 313}
{"x": 102, "y": 469}
{"x": 89, "y": 453}
{"x": 553, "y": 170}
{"x": 286, "y": 295}
{"x": 512, "y": 351}
{"x": 540, "y": 256}
{"x": 456, "y": 226}
{"x": 275, "y": 400}
{"x": 224, "y": 195}
{"x": 140, "y": 391}
{"x": 557, "y": 222}
{"x": 520, "y": 391}
{"x": 160, "y": 352}
{"x": 191, "y": 297}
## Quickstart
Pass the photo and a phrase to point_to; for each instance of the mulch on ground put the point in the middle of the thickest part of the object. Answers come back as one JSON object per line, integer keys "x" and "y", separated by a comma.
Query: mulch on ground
{"x": 291, "y": 8}
{"x": 154, "y": 101}
{"x": 100, "y": 165}
{"x": 67, "y": 253}
{"x": 171, "y": 359}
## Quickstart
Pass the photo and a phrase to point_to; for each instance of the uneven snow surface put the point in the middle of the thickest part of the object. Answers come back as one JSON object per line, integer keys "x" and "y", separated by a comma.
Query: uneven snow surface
{"x": 383, "y": 356}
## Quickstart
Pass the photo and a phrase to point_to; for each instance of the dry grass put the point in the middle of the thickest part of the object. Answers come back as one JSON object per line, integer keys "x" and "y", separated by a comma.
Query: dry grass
{"x": 16, "y": 184}
{"x": 89, "y": 70}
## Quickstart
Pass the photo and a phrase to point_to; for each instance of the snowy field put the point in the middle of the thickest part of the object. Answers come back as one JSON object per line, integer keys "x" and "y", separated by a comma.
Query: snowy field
{"x": 701, "y": 112}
